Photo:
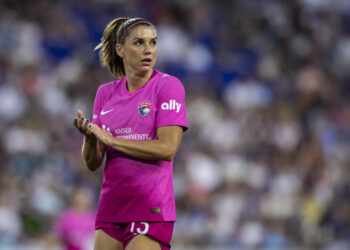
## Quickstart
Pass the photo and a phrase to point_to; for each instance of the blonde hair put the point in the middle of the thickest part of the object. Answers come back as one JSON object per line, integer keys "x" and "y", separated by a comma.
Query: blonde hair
{"x": 115, "y": 32}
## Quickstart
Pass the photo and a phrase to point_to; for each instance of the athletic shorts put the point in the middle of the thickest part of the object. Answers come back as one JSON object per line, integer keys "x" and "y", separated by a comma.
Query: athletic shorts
{"x": 124, "y": 232}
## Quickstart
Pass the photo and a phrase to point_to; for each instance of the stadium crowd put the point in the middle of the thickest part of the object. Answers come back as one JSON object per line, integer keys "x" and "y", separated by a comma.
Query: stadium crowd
{"x": 265, "y": 162}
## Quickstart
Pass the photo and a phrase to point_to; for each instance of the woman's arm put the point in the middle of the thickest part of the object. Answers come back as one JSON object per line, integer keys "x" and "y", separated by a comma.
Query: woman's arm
{"x": 92, "y": 150}
{"x": 163, "y": 148}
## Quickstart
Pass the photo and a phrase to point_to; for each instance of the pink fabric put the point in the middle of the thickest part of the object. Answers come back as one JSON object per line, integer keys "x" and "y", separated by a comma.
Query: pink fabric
{"x": 75, "y": 230}
{"x": 125, "y": 232}
{"x": 135, "y": 189}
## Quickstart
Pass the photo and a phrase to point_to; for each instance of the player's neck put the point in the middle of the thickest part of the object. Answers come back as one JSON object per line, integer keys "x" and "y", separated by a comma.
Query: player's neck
{"x": 136, "y": 80}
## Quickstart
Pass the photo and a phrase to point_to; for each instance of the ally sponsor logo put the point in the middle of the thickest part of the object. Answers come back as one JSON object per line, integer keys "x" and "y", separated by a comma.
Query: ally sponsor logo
{"x": 171, "y": 105}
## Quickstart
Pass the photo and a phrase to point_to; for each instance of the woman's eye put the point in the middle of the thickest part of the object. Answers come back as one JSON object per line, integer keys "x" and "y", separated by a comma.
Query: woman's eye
{"x": 153, "y": 43}
{"x": 138, "y": 43}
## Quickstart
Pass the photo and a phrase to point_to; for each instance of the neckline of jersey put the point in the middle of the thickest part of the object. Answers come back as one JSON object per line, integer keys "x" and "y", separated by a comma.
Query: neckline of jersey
{"x": 126, "y": 91}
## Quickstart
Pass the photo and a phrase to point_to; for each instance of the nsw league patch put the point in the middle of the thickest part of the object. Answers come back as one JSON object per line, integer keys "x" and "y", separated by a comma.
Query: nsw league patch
{"x": 144, "y": 108}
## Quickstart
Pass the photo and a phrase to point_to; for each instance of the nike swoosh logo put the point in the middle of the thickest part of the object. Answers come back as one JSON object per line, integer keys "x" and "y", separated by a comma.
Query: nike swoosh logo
{"x": 106, "y": 112}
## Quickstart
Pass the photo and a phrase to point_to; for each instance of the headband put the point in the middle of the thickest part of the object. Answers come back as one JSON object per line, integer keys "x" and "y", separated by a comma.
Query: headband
{"x": 129, "y": 27}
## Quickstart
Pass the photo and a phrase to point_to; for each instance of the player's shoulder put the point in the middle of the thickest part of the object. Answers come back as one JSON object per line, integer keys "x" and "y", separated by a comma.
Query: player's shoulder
{"x": 166, "y": 80}
{"x": 164, "y": 77}
{"x": 108, "y": 88}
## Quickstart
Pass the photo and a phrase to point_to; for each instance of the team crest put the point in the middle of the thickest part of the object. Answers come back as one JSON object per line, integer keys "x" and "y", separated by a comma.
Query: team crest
{"x": 144, "y": 108}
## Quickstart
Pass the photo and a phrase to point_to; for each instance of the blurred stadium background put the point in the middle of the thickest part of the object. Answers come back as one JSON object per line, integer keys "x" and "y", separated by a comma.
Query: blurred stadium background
{"x": 265, "y": 163}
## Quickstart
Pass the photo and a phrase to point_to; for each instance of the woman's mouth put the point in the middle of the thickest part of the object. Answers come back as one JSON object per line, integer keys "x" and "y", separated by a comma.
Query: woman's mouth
{"x": 146, "y": 61}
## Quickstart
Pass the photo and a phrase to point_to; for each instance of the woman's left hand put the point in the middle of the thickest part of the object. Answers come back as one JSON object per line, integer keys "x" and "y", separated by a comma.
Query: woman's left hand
{"x": 100, "y": 134}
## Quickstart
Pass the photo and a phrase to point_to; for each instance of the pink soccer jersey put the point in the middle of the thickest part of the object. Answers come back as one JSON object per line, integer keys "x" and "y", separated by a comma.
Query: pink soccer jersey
{"x": 134, "y": 189}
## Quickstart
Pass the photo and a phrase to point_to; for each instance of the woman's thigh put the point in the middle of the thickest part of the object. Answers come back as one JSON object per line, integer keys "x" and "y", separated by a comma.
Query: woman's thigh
{"x": 143, "y": 242}
{"x": 105, "y": 242}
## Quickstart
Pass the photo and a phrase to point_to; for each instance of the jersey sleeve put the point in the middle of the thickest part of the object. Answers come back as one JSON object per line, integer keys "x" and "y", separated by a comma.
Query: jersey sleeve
{"x": 171, "y": 108}
{"x": 98, "y": 103}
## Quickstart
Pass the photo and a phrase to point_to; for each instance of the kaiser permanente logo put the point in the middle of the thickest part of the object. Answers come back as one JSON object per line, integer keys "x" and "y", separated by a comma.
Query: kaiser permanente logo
{"x": 171, "y": 105}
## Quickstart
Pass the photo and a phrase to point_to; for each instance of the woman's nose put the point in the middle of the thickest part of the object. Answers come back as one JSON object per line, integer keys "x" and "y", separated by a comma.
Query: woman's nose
{"x": 148, "y": 49}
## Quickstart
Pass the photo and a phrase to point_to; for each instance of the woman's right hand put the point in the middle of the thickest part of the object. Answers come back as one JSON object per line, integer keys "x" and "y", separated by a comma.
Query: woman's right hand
{"x": 81, "y": 123}
{"x": 93, "y": 151}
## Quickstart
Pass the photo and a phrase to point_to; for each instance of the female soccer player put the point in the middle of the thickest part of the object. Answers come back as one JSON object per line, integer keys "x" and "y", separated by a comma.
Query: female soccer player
{"x": 137, "y": 123}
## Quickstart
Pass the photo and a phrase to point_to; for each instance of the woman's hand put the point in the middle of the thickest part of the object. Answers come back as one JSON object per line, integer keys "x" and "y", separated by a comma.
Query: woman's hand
{"x": 90, "y": 130}
{"x": 93, "y": 150}
{"x": 100, "y": 134}
{"x": 81, "y": 123}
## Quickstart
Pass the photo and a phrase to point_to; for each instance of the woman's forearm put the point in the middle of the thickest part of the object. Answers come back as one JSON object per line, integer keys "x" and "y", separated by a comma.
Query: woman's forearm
{"x": 149, "y": 150}
{"x": 91, "y": 152}
{"x": 163, "y": 148}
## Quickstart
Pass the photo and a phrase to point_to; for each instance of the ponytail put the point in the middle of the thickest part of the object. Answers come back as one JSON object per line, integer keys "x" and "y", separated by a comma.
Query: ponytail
{"x": 108, "y": 56}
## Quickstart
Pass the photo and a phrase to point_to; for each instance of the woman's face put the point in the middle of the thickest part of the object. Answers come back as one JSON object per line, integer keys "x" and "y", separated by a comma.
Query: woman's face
{"x": 139, "y": 52}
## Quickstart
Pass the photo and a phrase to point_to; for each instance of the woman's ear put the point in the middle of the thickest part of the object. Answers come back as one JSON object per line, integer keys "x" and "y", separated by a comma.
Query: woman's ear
{"x": 119, "y": 49}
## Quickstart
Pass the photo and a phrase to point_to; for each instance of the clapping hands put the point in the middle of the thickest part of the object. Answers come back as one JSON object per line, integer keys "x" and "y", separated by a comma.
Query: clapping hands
{"x": 89, "y": 129}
